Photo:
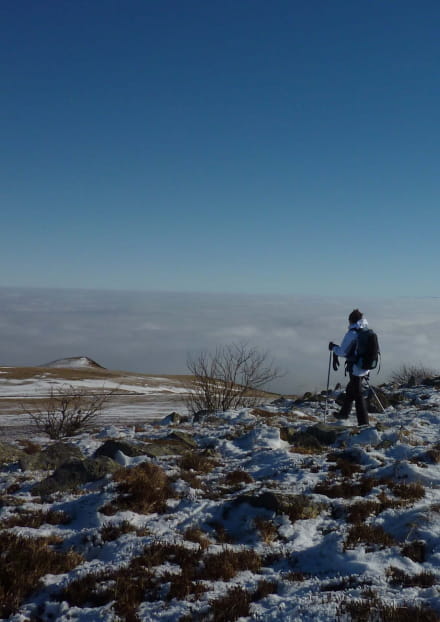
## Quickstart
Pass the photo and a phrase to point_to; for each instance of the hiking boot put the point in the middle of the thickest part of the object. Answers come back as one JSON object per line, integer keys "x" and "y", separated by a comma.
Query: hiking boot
{"x": 338, "y": 415}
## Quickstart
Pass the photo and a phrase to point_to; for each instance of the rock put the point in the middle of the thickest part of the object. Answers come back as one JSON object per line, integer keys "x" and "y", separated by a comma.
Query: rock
{"x": 296, "y": 507}
{"x": 111, "y": 447}
{"x": 431, "y": 382}
{"x": 184, "y": 438}
{"x": 167, "y": 447}
{"x": 201, "y": 414}
{"x": 325, "y": 433}
{"x": 172, "y": 419}
{"x": 75, "y": 473}
{"x": 51, "y": 457}
{"x": 10, "y": 453}
{"x": 300, "y": 439}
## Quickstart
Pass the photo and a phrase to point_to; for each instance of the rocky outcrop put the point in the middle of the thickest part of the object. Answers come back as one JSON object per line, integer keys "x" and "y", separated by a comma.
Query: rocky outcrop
{"x": 50, "y": 458}
{"x": 112, "y": 446}
{"x": 70, "y": 475}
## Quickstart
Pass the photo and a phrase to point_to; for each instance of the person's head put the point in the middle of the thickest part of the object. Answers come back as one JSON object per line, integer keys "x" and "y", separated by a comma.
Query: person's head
{"x": 355, "y": 316}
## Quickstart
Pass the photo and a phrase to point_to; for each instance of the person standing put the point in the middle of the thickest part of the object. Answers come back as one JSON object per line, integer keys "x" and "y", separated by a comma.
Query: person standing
{"x": 347, "y": 349}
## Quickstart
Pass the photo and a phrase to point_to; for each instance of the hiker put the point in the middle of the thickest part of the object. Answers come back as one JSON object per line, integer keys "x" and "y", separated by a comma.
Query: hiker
{"x": 353, "y": 392}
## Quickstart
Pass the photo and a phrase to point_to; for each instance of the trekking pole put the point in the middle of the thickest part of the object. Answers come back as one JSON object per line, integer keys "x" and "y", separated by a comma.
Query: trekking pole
{"x": 328, "y": 384}
{"x": 377, "y": 398}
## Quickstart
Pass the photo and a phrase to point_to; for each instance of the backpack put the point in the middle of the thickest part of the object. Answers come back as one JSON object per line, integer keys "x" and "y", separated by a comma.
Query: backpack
{"x": 367, "y": 352}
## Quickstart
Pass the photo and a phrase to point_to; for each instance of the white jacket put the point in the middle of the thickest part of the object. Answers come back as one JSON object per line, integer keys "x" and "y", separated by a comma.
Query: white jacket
{"x": 347, "y": 344}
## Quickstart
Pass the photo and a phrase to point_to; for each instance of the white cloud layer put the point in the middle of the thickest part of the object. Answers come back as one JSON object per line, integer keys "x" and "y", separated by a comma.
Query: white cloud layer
{"x": 154, "y": 332}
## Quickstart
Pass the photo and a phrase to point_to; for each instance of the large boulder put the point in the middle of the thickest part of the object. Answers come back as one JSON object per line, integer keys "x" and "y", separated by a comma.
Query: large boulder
{"x": 50, "y": 458}
{"x": 73, "y": 474}
{"x": 300, "y": 439}
{"x": 325, "y": 433}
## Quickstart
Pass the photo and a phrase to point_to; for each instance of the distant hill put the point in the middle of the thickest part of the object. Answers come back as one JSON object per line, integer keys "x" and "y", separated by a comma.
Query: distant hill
{"x": 74, "y": 362}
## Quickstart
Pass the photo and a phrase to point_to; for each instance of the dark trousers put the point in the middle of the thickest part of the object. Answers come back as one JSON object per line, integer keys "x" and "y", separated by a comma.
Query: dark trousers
{"x": 353, "y": 393}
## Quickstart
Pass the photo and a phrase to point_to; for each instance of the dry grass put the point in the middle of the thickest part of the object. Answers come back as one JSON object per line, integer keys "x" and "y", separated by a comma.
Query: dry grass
{"x": 237, "y": 477}
{"x": 195, "y": 534}
{"x": 412, "y": 491}
{"x": 359, "y": 511}
{"x": 233, "y": 605}
{"x": 144, "y": 489}
{"x": 110, "y": 532}
{"x": 35, "y": 519}
{"x": 346, "y": 488}
{"x": 373, "y": 610}
{"x": 24, "y": 561}
{"x": 197, "y": 462}
{"x": 226, "y": 564}
{"x": 398, "y": 578}
{"x": 266, "y": 414}
{"x": 268, "y": 530}
{"x": 374, "y": 536}
{"x": 29, "y": 447}
{"x": 415, "y": 550}
{"x": 345, "y": 467}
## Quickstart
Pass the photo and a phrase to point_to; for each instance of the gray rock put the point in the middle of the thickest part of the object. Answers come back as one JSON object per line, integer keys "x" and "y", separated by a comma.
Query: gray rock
{"x": 326, "y": 434}
{"x": 51, "y": 457}
{"x": 111, "y": 447}
{"x": 300, "y": 439}
{"x": 72, "y": 474}
{"x": 184, "y": 438}
{"x": 172, "y": 419}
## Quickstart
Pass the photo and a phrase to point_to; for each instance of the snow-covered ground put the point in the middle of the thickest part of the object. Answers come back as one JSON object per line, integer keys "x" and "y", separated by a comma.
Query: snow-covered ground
{"x": 330, "y": 560}
{"x": 137, "y": 397}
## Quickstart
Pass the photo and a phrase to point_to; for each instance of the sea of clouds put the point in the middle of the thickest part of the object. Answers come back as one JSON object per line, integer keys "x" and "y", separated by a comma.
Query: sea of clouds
{"x": 154, "y": 333}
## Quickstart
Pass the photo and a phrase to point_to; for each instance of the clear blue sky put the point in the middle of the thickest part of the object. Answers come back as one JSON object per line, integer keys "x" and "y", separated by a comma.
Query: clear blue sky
{"x": 236, "y": 146}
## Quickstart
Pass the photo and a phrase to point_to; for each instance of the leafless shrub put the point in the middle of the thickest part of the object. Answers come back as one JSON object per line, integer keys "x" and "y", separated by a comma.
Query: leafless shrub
{"x": 412, "y": 374}
{"x": 24, "y": 561}
{"x": 231, "y": 377}
{"x": 68, "y": 410}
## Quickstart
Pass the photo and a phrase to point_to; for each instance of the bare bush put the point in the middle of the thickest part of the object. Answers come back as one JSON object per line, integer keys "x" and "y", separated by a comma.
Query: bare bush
{"x": 68, "y": 410}
{"x": 231, "y": 377}
{"x": 412, "y": 374}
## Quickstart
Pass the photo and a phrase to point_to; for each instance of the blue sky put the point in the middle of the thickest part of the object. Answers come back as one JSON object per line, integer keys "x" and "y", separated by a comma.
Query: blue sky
{"x": 237, "y": 146}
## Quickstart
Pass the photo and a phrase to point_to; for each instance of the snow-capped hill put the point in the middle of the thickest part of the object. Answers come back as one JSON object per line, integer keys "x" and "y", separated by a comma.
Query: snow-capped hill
{"x": 74, "y": 362}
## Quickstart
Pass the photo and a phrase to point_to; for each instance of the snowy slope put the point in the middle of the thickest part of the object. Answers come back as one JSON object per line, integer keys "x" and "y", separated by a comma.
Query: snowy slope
{"x": 363, "y": 532}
